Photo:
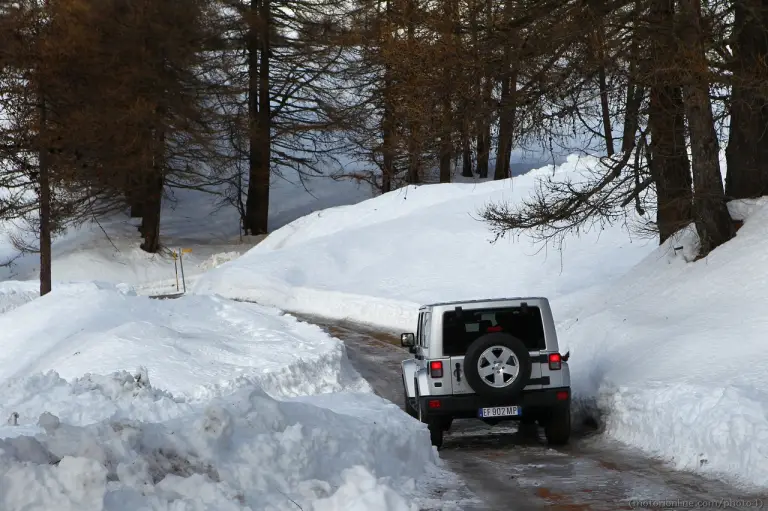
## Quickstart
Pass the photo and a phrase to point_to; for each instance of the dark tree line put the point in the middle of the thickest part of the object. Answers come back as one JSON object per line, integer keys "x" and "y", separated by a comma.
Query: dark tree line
{"x": 646, "y": 83}
{"x": 106, "y": 105}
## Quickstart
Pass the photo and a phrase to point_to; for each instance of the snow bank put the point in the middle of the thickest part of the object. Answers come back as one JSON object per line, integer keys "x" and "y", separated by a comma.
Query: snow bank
{"x": 376, "y": 261}
{"x": 119, "y": 402}
{"x": 192, "y": 347}
{"x": 246, "y": 451}
{"x": 671, "y": 353}
{"x": 16, "y": 293}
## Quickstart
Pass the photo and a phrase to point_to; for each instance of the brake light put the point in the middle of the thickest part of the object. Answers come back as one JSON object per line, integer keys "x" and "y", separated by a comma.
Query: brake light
{"x": 436, "y": 369}
{"x": 554, "y": 361}
{"x": 562, "y": 395}
{"x": 434, "y": 403}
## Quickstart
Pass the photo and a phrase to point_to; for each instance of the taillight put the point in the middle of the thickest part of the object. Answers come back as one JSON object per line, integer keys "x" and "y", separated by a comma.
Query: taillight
{"x": 562, "y": 395}
{"x": 434, "y": 403}
{"x": 554, "y": 361}
{"x": 436, "y": 369}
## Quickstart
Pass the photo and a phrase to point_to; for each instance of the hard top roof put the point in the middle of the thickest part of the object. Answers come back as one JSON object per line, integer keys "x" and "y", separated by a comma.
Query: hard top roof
{"x": 482, "y": 300}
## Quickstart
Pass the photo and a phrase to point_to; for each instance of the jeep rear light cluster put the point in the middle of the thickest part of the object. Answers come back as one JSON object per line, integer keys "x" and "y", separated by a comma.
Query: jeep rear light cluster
{"x": 436, "y": 369}
{"x": 555, "y": 361}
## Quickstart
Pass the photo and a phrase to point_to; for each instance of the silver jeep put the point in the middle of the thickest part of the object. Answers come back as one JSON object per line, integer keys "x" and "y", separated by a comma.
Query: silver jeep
{"x": 492, "y": 360}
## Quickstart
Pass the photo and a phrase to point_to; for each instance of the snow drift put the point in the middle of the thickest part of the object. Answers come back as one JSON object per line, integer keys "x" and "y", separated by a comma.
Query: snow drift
{"x": 118, "y": 402}
{"x": 671, "y": 351}
{"x": 665, "y": 349}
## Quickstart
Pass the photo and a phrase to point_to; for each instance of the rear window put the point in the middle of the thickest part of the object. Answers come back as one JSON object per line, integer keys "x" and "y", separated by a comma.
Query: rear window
{"x": 461, "y": 331}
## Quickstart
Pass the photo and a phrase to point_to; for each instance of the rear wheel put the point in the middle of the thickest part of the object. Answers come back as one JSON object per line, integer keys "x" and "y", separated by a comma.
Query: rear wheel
{"x": 558, "y": 426}
{"x": 409, "y": 409}
{"x": 435, "y": 426}
{"x": 527, "y": 425}
{"x": 436, "y": 433}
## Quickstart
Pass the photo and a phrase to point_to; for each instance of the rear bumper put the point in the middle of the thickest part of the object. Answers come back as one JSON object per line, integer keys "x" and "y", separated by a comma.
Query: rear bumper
{"x": 468, "y": 406}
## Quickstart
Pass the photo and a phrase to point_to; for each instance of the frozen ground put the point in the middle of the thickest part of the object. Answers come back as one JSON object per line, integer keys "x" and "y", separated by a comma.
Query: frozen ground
{"x": 118, "y": 402}
{"x": 661, "y": 347}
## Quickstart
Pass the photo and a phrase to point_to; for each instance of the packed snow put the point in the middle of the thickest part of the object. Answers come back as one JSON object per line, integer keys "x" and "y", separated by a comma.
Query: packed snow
{"x": 665, "y": 350}
{"x": 119, "y": 402}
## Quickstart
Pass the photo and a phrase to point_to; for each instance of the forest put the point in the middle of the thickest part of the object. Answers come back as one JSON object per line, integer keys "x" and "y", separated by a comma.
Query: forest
{"x": 108, "y": 105}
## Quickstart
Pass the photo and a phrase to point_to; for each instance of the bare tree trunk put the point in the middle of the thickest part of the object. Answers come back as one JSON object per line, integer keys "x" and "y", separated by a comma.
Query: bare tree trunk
{"x": 670, "y": 168}
{"x": 484, "y": 131}
{"x": 133, "y": 197}
{"x": 265, "y": 118}
{"x": 603, "y": 84}
{"x": 747, "y": 150}
{"x": 635, "y": 95}
{"x": 710, "y": 213}
{"x": 388, "y": 170}
{"x": 448, "y": 121}
{"x": 257, "y": 203}
{"x": 506, "y": 124}
{"x": 466, "y": 158}
{"x": 152, "y": 208}
{"x": 446, "y": 145}
{"x": 45, "y": 209}
{"x": 414, "y": 136}
{"x": 414, "y": 153}
{"x": 153, "y": 193}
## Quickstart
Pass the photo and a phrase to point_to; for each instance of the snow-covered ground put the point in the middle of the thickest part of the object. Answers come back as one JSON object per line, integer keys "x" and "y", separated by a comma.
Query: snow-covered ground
{"x": 667, "y": 351}
{"x": 120, "y": 402}
{"x": 375, "y": 261}
{"x": 109, "y": 251}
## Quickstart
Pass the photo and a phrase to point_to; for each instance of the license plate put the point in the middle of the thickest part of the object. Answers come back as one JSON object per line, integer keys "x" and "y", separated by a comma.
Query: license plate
{"x": 499, "y": 411}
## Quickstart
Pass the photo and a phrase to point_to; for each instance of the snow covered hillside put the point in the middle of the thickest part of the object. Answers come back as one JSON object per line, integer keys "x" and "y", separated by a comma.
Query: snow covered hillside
{"x": 109, "y": 251}
{"x": 377, "y": 260}
{"x": 661, "y": 348}
{"x": 120, "y": 402}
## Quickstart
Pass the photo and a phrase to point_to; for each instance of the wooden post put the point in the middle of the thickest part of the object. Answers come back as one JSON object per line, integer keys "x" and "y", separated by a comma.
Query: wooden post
{"x": 181, "y": 263}
{"x": 176, "y": 269}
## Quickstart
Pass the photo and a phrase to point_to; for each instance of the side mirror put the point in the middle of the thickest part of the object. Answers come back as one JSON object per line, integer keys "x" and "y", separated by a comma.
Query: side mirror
{"x": 412, "y": 349}
{"x": 565, "y": 357}
{"x": 407, "y": 340}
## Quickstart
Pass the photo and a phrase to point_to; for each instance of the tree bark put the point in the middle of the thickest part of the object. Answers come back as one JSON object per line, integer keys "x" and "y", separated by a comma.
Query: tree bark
{"x": 710, "y": 213}
{"x": 506, "y": 124}
{"x": 446, "y": 146}
{"x": 256, "y": 219}
{"x": 484, "y": 131}
{"x": 45, "y": 209}
{"x": 466, "y": 155}
{"x": 446, "y": 150}
{"x": 670, "y": 168}
{"x": 152, "y": 208}
{"x": 747, "y": 149}
{"x": 603, "y": 84}
{"x": 154, "y": 181}
{"x": 414, "y": 140}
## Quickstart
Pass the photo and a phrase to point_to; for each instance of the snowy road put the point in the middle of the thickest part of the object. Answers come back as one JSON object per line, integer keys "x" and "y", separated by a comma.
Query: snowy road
{"x": 509, "y": 470}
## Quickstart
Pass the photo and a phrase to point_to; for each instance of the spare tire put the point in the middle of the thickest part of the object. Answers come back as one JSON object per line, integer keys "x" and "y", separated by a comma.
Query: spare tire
{"x": 497, "y": 366}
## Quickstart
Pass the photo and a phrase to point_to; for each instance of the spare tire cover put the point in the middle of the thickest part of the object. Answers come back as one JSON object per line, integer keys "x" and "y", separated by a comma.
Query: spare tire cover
{"x": 497, "y": 366}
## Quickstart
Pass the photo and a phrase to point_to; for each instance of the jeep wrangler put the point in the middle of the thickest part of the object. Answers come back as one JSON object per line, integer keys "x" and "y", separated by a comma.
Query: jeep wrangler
{"x": 492, "y": 360}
